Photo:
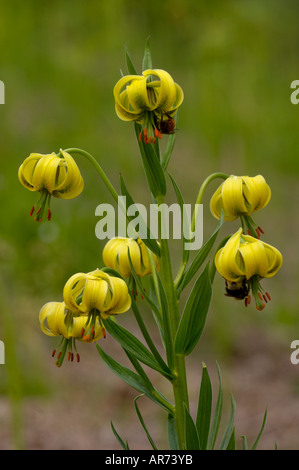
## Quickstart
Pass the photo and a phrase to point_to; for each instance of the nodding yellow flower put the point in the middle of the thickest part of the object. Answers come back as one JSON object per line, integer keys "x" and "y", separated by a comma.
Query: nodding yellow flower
{"x": 115, "y": 256}
{"x": 150, "y": 99}
{"x": 96, "y": 294}
{"x": 240, "y": 196}
{"x": 51, "y": 175}
{"x": 56, "y": 320}
{"x": 242, "y": 262}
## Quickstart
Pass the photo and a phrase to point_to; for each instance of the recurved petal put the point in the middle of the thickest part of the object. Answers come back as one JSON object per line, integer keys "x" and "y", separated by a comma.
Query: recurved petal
{"x": 52, "y": 319}
{"x": 123, "y": 105}
{"x": 166, "y": 89}
{"x": 26, "y": 170}
{"x": 256, "y": 191}
{"x": 228, "y": 261}
{"x": 94, "y": 295}
{"x": 255, "y": 259}
{"x": 216, "y": 204}
{"x": 138, "y": 95}
{"x": 232, "y": 197}
{"x": 120, "y": 300}
{"x": 274, "y": 259}
{"x": 69, "y": 182}
{"x": 72, "y": 290}
{"x": 44, "y": 175}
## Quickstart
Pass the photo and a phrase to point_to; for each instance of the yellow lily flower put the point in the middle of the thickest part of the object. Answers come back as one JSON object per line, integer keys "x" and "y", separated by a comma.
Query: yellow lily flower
{"x": 115, "y": 256}
{"x": 51, "y": 175}
{"x": 56, "y": 320}
{"x": 96, "y": 294}
{"x": 150, "y": 99}
{"x": 242, "y": 262}
{"x": 240, "y": 196}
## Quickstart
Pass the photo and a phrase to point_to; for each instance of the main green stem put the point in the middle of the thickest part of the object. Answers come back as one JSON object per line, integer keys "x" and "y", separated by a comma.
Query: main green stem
{"x": 179, "y": 383}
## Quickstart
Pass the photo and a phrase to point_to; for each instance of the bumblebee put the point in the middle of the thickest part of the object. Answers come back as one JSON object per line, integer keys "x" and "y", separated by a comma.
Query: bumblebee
{"x": 238, "y": 290}
{"x": 165, "y": 125}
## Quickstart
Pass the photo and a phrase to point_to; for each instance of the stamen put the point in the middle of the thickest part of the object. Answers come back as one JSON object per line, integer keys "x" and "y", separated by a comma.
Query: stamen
{"x": 260, "y": 296}
{"x": 53, "y": 352}
{"x": 104, "y": 332}
{"x": 268, "y": 295}
{"x": 265, "y": 298}
{"x": 78, "y": 357}
{"x": 246, "y": 301}
{"x": 260, "y": 307}
{"x": 140, "y": 137}
{"x": 258, "y": 233}
{"x": 49, "y": 215}
{"x": 261, "y": 230}
{"x": 158, "y": 133}
{"x": 32, "y": 210}
{"x": 249, "y": 299}
{"x": 69, "y": 356}
{"x": 82, "y": 332}
{"x": 92, "y": 332}
{"x": 249, "y": 233}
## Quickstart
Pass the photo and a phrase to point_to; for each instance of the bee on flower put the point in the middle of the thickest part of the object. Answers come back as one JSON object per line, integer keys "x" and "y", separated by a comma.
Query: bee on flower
{"x": 150, "y": 99}
{"x": 243, "y": 262}
{"x": 240, "y": 196}
{"x": 50, "y": 175}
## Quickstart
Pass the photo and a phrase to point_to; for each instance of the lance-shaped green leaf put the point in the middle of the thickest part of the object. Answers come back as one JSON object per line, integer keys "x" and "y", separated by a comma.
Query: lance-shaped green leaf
{"x": 130, "y": 66}
{"x": 172, "y": 434}
{"x": 169, "y": 147}
{"x": 147, "y": 59}
{"x": 194, "y": 315}
{"x": 204, "y": 409}
{"x": 191, "y": 435}
{"x": 144, "y": 231}
{"x": 151, "y": 441}
{"x": 132, "y": 344}
{"x": 152, "y": 166}
{"x": 123, "y": 444}
{"x": 232, "y": 442}
{"x": 199, "y": 259}
{"x": 260, "y": 433}
{"x": 134, "y": 380}
{"x": 230, "y": 427}
{"x": 217, "y": 414}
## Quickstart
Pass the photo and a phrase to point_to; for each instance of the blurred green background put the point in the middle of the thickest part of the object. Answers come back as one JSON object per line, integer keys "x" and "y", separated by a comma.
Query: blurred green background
{"x": 235, "y": 61}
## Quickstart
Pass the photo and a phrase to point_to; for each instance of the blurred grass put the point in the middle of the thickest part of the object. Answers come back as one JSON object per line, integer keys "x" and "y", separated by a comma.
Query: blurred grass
{"x": 59, "y": 62}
